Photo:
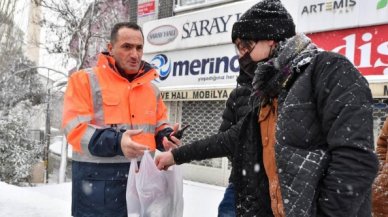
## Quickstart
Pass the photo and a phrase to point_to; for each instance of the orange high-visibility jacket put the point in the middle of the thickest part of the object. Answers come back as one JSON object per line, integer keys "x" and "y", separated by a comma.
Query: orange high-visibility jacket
{"x": 101, "y": 98}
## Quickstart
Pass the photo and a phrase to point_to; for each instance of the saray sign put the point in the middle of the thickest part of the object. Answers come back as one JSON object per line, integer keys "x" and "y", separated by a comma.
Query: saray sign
{"x": 366, "y": 48}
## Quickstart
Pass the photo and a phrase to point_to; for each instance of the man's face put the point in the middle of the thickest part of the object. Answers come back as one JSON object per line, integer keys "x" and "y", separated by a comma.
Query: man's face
{"x": 127, "y": 50}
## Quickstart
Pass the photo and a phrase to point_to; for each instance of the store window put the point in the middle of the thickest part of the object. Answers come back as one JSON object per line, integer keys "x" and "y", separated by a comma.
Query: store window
{"x": 190, "y": 2}
{"x": 184, "y": 5}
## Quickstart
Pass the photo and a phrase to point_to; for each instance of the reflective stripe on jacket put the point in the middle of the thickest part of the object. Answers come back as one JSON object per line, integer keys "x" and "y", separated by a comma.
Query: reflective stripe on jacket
{"x": 101, "y": 98}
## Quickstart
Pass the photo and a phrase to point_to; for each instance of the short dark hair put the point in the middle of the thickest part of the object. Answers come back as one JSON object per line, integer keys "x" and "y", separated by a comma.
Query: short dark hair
{"x": 118, "y": 26}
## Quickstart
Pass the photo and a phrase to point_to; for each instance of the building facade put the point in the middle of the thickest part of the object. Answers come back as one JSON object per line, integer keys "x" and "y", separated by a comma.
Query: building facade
{"x": 189, "y": 41}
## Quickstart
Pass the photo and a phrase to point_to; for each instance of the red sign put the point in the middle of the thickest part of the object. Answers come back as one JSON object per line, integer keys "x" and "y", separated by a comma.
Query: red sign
{"x": 146, "y": 8}
{"x": 366, "y": 47}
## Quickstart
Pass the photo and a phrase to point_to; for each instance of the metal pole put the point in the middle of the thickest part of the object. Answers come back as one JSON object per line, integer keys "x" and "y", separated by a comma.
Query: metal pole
{"x": 47, "y": 140}
{"x": 47, "y": 130}
{"x": 63, "y": 165}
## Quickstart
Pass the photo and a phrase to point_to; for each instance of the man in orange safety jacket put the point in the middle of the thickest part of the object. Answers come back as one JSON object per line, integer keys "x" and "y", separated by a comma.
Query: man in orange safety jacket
{"x": 112, "y": 112}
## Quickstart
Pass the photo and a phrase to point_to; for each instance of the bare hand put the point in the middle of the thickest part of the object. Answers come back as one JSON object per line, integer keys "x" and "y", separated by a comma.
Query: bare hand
{"x": 164, "y": 160}
{"x": 130, "y": 148}
{"x": 176, "y": 142}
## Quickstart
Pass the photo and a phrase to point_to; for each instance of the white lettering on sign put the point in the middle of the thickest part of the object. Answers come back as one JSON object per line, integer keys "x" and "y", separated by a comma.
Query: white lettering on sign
{"x": 366, "y": 48}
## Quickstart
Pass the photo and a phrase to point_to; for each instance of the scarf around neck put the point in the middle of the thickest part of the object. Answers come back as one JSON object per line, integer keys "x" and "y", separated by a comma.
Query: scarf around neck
{"x": 289, "y": 60}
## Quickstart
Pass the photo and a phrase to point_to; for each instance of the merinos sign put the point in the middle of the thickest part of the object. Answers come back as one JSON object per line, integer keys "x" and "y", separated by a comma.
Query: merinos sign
{"x": 194, "y": 67}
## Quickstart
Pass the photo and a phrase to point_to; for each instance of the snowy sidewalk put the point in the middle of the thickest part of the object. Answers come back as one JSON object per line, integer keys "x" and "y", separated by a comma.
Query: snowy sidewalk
{"x": 55, "y": 200}
{"x": 29, "y": 202}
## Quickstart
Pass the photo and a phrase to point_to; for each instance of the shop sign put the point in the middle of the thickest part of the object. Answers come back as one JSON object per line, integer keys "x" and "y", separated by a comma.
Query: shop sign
{"x": 207, "y": 27}
{"x": 336, "y": 6}
{"x": 192, "y": 95}
{"x": 196, "y": 68}
{"x": 146, "y": 8}
{"x": 325, "y": 15}
{"x": 162, "y": 35}
{"x": 366, "y": 48}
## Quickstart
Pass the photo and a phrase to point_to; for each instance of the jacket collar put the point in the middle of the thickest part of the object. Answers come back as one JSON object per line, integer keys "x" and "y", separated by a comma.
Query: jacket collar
{"x": 146, "y": 73}
{"x": 243, "y": 79}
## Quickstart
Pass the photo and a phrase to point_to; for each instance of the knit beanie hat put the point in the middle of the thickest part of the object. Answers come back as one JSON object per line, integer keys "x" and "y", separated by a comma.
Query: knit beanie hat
{"x": 266, "y": 20}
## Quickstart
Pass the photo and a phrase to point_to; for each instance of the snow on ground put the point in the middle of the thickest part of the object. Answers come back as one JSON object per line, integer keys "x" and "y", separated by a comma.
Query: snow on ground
{"x": 29, "y": 202}
{"x": 55, "y": 200}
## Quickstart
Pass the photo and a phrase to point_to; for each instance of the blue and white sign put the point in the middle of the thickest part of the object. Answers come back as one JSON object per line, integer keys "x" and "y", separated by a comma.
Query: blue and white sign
{"x": 194, "y": 68}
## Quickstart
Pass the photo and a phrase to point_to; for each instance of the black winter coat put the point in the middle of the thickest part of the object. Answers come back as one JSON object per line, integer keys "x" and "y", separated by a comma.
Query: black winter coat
{"x": 324, "y": 149}
{"x": 237, "y": 107}
{"x": 237, "y": 104}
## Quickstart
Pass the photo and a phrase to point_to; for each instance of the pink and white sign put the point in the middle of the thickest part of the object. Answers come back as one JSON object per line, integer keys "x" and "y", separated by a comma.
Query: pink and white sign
{"x": 144, "y": 9}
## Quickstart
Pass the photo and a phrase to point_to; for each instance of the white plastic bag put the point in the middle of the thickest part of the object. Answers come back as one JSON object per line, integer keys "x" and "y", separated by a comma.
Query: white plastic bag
{"x": 174, "y": 179}
{"x": 133, "y": 202}
{"x": 159, "y": 193}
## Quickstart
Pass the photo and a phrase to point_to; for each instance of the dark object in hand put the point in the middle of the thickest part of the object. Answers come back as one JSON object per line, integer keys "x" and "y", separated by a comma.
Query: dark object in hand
{"x": 178, "y": 134}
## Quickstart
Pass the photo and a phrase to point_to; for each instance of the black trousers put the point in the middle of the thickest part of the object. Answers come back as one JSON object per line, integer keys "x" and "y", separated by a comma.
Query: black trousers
{"x": 98, "y": 190}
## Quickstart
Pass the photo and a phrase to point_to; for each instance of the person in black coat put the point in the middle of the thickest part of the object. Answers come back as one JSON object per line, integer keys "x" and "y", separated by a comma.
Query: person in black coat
{"x": 306, "y": 146}
{"x": 236, "y": 109}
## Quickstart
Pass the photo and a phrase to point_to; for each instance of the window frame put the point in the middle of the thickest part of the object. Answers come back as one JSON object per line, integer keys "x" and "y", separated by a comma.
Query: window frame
{"x": 182, "y": 8}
